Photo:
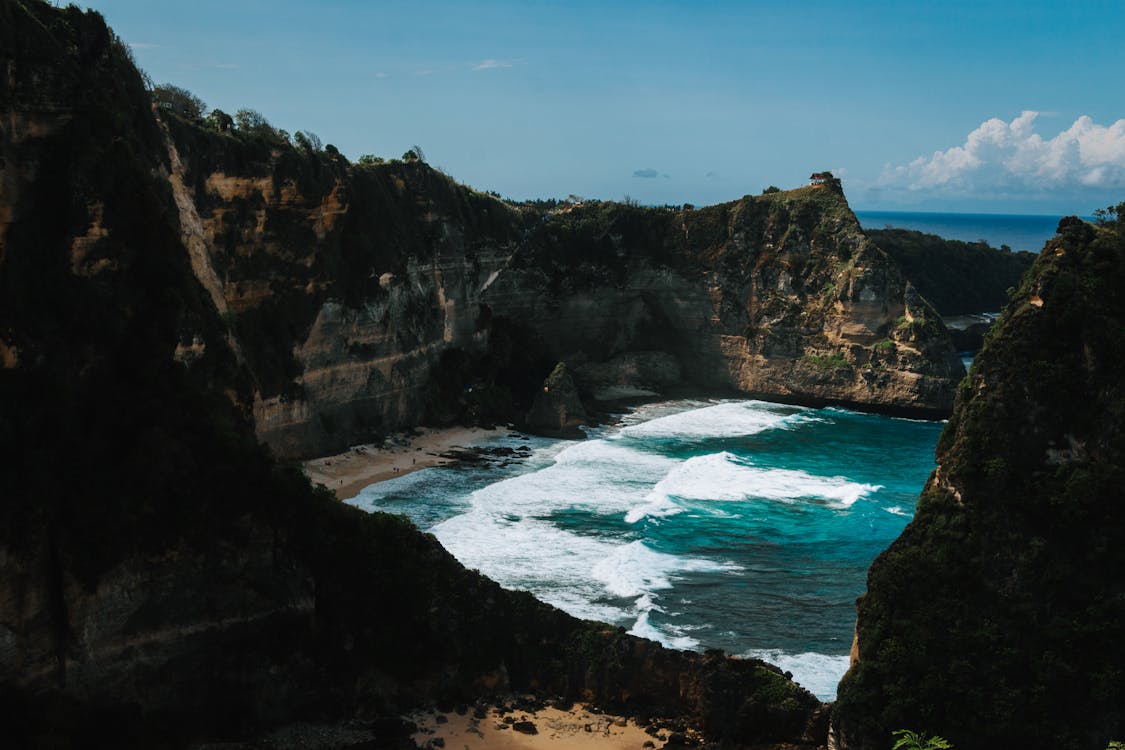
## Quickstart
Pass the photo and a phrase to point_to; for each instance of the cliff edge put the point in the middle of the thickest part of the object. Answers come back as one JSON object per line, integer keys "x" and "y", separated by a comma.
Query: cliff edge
{"x": 996, "y": 619}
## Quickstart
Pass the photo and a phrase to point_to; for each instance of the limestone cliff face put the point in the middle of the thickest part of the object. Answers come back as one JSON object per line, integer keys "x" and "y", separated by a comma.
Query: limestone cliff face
{"x": 344, "y": 286}
{"x": 996, "y": 619}
{"x": 779, "y": 296}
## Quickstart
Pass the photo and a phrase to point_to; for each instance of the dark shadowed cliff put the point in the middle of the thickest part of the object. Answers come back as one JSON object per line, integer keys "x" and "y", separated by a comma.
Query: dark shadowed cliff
{"x": 162, "y": 576}
{"x": 959, "y": 278}
{"x": 996, "y": 619}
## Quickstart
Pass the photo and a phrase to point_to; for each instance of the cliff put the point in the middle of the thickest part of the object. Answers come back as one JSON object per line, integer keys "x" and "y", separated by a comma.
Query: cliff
{"x": 959, "y": 278}
{"x": 996, "y": 619}
{"x": 780, "y": 296}
{"x": 163, "y": 577}
{"x": 370, "y": 298}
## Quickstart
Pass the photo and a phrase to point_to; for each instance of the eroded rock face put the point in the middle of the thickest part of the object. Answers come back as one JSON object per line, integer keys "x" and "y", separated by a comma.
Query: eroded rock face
{"x": 995, "y": 620}
{"x": 780, "y": 296}
{"x": 346, "y": 286}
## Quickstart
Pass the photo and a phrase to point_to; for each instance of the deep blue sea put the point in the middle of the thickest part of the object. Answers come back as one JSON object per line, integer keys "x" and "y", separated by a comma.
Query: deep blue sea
{"x": 1017, "y": 231}
{"x": 740, "y": 525}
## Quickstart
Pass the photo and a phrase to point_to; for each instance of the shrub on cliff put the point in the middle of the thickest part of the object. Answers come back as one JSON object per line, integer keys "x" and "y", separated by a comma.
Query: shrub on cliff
{"x": 307, "y": 141}
{"x": 253, "y": 124}
{"x": 178, "y": 100}
{"x": 220, "y": 121}
{"x": 905, "y": 739}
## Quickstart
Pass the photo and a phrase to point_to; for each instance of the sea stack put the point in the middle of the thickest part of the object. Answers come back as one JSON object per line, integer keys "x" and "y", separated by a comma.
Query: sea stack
{"x": 557, "y": 410}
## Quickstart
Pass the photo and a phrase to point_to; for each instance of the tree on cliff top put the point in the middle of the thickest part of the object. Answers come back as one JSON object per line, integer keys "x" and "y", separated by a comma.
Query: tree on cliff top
{"x": 253, "y": 123}
{"x": 179, "y": 100}
{"x": 414, "y": 153}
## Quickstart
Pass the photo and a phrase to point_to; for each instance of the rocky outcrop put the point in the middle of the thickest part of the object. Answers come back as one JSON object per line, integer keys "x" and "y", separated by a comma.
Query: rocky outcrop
{"x": 557, "y": 410}
{"x": 779, "y": 295}
{"x": 995, "y": 620}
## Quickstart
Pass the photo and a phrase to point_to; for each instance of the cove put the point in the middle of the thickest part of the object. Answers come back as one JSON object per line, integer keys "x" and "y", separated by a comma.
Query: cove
{"x": 741, "y": 525}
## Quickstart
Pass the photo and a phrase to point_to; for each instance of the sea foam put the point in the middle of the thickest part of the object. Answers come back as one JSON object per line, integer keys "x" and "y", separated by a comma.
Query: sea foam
{"x": 817, "y": 673}
{"x": 722, "y": 477}
{"x": 723, "y": 420}
{"x": 693, "y": 523}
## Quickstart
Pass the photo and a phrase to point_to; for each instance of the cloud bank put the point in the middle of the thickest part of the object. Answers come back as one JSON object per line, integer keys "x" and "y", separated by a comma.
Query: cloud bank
{"x": 1010, "y": 157}
{"x": 648, "y": 174}
{"x": 491, "y": 64}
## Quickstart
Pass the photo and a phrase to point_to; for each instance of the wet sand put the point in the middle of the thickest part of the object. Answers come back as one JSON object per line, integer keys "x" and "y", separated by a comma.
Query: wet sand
{"x": 349, "y": 472}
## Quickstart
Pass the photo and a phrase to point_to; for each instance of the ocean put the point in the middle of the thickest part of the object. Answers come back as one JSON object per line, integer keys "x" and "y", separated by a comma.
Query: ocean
{"x": 741, "y": 525}
{"x": 1017, "y": 231}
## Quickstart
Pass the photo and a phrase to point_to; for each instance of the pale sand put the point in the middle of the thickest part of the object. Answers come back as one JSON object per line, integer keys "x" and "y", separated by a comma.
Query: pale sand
{"x": 348, "y": 473}
{"x": 576, "y": 728}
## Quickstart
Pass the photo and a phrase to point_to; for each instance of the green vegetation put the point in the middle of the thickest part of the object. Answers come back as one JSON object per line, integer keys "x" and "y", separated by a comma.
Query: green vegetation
{"x": 220, "y": 121}
{"x": 180, "y": 101}
{"x": 253, "y": 123}
{"x": 307, "y": 141}
{"x": 827, "y": 362}
{"x": 1109, "y": 216}
{"x": 908, "y": 740}
{"x": 956, "y": 277}
{"x": 414, "y": 154}
{"x": 1015, "y": 550}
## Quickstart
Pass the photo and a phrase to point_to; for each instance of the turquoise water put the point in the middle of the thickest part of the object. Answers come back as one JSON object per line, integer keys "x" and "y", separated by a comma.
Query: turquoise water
{"x": 1017, "y": 231}
{"x": 740, "y": 525}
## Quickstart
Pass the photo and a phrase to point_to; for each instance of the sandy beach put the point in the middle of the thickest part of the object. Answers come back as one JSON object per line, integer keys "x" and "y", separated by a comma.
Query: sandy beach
{"x": 543, "y": 729}
{"x": 349, "y": 472}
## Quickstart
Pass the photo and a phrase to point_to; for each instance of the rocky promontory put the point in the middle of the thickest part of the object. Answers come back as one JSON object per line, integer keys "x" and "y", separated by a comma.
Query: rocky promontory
{"x": 996, "y": 619}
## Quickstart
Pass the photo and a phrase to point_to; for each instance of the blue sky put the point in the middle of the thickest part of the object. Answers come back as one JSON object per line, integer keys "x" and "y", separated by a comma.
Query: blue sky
{"x": 970, "y": 106}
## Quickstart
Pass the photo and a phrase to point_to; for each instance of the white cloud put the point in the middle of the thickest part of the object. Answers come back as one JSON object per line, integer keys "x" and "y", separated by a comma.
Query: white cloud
{"x": 491, "y": 64}
{"x": 1012, "y": 157}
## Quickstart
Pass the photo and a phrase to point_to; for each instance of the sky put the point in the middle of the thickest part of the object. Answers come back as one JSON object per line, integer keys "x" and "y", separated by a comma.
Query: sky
{"x": 990, "y": 106}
